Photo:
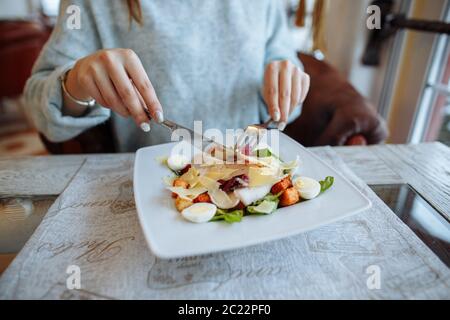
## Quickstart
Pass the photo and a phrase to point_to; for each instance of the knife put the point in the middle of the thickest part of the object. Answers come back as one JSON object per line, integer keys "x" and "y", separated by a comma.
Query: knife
{"x": 195, "y": 136}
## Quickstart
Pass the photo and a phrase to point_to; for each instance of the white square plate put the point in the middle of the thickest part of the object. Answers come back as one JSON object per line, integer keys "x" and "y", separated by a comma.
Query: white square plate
{"x": 170, "y": 236}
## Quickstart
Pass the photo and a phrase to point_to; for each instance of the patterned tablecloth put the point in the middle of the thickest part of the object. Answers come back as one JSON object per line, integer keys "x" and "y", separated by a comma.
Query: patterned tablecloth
{"x": 93, "y": 225}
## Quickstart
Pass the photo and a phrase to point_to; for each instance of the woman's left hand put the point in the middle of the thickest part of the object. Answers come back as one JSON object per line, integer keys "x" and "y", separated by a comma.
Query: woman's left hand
{"x": 285, "y": 87}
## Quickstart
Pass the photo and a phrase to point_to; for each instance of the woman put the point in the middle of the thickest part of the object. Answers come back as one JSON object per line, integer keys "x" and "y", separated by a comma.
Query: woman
{"x": 227, "y": 63}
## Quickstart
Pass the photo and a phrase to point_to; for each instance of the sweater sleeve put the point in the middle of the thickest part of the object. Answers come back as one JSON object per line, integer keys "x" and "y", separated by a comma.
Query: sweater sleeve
{"x": 279, "y": 44}
{"x": 279, "y": 39}
{"x": 43, "y": 94}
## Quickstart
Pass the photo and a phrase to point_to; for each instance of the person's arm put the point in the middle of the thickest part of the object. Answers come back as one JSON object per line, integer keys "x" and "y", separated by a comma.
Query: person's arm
{"x": 44, "y": 99}
{"x": 70, "y": 107}
{"x": 285, "y": 83}
{"x": 115, "y": 78}
{"x": 279, "y": 45}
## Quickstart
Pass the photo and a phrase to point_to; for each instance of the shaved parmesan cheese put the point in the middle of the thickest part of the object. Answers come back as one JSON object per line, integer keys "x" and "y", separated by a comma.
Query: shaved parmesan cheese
{"x": 221, "y": 173}
{"x": 207, "y": 160}
{"x": 223, "y": 200}
{"x": 272, "y": 162}
{"x": 188, "y": 194}
{"x": 168, "y": 181}
{"x": 262, "y": 176}
{"x": 219, "y": 197}
{"x": 191, "y": 177}
{"x": 208, "y": 183}
{"x": 291, "y": 166}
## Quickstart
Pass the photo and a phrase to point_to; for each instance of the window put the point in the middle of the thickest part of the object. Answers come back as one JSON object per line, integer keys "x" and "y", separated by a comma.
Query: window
{"x": 432, "y": 120}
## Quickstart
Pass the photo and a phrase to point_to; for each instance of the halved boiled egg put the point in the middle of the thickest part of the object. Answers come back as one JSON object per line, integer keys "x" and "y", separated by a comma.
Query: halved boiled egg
{"x": 177, "y": 162}
{"x": 199, "y": 212}
{"x": 308, "y": 188}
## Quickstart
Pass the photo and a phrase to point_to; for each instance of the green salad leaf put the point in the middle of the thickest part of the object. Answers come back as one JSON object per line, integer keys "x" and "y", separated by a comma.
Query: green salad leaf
{"x": 234, "y": 216}
{"x": 263, "y": 153}
{"x": 228, "y": 216}
{"x": 271, "y": 197}
{"x": 266, "y": 153}
{"x": 265, "y": 206}
{"x": 326, "y": 184}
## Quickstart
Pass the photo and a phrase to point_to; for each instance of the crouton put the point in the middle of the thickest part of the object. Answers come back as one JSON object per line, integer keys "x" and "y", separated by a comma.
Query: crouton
{"x": 182, "y": 204}
{"x": 181, "y": 184}
{"x": 204, "y": 197}
{"x": 282, "y": 185}
{"x": 289, "y": 197}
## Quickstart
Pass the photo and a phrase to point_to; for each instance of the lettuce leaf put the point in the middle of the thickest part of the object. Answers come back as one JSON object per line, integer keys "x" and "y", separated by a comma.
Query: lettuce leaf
{"x": 267, "y": 205}
{"x": 263, "y": 153}
{"x": 228, "y": 216}
{"x": 264, "y": 208}
{"x": 326, "y": 184}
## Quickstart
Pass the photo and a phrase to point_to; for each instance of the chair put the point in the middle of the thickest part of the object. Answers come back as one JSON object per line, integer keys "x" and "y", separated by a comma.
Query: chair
{"x": 20, "y": 45}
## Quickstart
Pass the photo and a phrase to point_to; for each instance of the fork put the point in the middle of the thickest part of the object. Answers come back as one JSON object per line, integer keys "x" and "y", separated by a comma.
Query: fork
{"x": 250, "y": 138}
{"x": 173, "y": 126}
{"x": 245, "y": 142}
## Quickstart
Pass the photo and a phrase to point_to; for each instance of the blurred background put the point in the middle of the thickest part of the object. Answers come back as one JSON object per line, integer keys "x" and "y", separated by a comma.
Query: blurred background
{"x": 406, "y": 75}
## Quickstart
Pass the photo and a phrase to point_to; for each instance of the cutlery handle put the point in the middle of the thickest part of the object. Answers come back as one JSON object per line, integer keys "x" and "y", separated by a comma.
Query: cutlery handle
{"x": 194, "y": 136}
{"x": 172, "y": 126}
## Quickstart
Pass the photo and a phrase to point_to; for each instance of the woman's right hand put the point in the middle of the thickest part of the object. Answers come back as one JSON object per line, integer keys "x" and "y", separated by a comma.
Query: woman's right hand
{"x": 116, "y": 79}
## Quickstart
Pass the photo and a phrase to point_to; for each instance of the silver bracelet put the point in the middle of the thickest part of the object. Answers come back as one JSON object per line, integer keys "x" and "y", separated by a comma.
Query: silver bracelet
{"x": 89, "y": 103}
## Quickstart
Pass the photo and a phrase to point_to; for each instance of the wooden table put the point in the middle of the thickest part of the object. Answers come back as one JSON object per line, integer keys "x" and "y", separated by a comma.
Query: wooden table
{"x": 93, "y": 225}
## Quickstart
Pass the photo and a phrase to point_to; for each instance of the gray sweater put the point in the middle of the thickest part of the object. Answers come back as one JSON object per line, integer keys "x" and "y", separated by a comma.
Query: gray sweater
{"x": 205, "y": 58}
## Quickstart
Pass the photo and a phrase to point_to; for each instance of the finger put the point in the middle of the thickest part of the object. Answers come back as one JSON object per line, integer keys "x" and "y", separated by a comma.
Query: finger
{"x": 145, "y": 126}
{"x": 378, "y": 132}
{"x": 109, "y": 94}
{"x": 284, "y": 92}
{"x": 271, "y": 90}
{"x": 141, "y": 100}
{"x": 296, "y": 89}
{"x": 306, "y": 83}
{"x": 127, "y": 93}
{"x": 145, "y": 88}
{"x": 338, "y": 131}
{"x": 356, "y": 140}
{"x": 94, "y": 92}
